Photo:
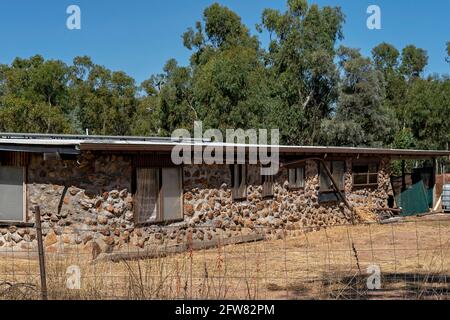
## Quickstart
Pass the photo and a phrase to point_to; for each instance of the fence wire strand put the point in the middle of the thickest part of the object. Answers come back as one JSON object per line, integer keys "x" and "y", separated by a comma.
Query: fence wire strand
{"x": 330, "y": 263}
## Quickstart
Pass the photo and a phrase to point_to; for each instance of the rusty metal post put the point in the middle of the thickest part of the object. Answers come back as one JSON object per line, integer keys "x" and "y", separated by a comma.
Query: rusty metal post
{"x": 37, "y": 224}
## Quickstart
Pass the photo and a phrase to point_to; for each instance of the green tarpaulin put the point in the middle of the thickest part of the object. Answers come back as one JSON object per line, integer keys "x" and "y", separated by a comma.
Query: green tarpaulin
{"x": 415, "y": 200}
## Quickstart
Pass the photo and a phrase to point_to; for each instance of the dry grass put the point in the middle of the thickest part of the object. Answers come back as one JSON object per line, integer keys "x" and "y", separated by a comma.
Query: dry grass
{"x": 413, "y": 256}
{"x": 365, "y": 214}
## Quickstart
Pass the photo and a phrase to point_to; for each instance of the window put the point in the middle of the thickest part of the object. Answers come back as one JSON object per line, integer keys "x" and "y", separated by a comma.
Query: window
{"x": 296, "y": 177}
{"x": 147, "y": 195}
{"x": 239, "y": 181}
{"x": 158, "y": 194}
{"x": 172, "y": 194}
{"x": 337, "y": 169}
{"x": 11, "y": 193}
{"x": 365, "y": 174}
{"x": 267, "y": 186}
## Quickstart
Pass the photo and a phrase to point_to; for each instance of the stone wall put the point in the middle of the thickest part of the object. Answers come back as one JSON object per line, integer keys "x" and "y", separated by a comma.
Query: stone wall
{"x": 87, "y": 205}
{"x": 209, "y": 206}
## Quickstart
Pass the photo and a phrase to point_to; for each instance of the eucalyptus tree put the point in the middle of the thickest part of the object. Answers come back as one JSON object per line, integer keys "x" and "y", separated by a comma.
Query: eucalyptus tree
{"x": 33, "y": 96}
{"x": 428, "y": 111}
{"x": 103, "y": 101}
{"x": 360, "y": 118}
{"x": 414, "y": 61}
{"x": 229, "y": 89}
{"x": 301, "y": 68}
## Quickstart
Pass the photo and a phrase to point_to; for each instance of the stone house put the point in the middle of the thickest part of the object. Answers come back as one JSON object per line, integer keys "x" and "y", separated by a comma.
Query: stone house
{"x": 116, "y": 193}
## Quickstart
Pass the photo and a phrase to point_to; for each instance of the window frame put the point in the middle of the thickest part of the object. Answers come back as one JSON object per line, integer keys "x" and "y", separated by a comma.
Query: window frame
{"x": 160, "y": 197}
{"x": 267, "y": 183}
{"x": 24, "y": 219}
{"x": 368, "y": 174}
{"x": 341, "y": 181}
{"x": 181, "y": 196}
{"x": 239, "y": 193}
{"x": 295, "y": 186}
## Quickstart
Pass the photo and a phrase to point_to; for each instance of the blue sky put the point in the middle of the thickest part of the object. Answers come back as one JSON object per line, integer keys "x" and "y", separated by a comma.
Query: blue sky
{"x": 139, "y": 36}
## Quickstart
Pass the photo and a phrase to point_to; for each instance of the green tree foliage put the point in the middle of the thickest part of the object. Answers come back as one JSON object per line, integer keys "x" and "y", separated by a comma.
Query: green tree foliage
{"x": 428, "y": 112}
{"x": 302, "y": 74}
{"x": 421, "y": 105}
{"x": 19, "y": 115}
{"x": 176, "y": 109}
{"x": 414, "y": 61}
{"x": 404, "y": 139}
{"x": 360, "y": 119}
{"x": 52, "y": 97}
{"x": 33, "y": 95}
{"x": 387, "y": 60}
{"x": 228, "y": 76}
{"x": 147, "y": 120}
{"x": 385, "y": 57}
{"x": 102, "y": 101}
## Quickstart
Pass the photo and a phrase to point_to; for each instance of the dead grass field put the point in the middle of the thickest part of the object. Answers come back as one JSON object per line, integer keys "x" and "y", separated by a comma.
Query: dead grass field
{"x": 413, "y": 256}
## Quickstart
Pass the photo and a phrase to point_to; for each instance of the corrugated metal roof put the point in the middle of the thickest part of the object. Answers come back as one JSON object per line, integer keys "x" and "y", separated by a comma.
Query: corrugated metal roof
{"x": 164, "y": 144}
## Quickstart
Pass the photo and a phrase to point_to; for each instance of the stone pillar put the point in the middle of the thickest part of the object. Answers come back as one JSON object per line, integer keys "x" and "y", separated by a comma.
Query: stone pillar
{"x": 348, "y": 177}
{"x": 312, "y": 182}
{"x": 384, "y": 180}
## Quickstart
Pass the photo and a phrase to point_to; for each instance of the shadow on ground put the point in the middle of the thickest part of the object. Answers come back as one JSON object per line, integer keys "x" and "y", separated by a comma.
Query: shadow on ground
{"x": 354, "y": 287}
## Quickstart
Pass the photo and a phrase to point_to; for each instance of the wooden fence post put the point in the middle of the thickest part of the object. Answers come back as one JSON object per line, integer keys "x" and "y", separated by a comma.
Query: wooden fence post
{"x": 37, "y": 224}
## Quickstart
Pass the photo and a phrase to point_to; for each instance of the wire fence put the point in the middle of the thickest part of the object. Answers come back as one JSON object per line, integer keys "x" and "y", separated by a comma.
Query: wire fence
{"x": 402, "y": 260}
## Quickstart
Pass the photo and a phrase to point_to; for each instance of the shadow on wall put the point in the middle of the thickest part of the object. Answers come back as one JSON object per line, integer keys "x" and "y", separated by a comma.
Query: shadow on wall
{"x": 94, "y": 174}
{"x": 63, "y": 187}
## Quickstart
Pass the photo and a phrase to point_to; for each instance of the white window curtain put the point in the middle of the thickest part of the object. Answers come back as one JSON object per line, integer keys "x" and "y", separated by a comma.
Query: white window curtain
{"x": 147, "y": 195}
